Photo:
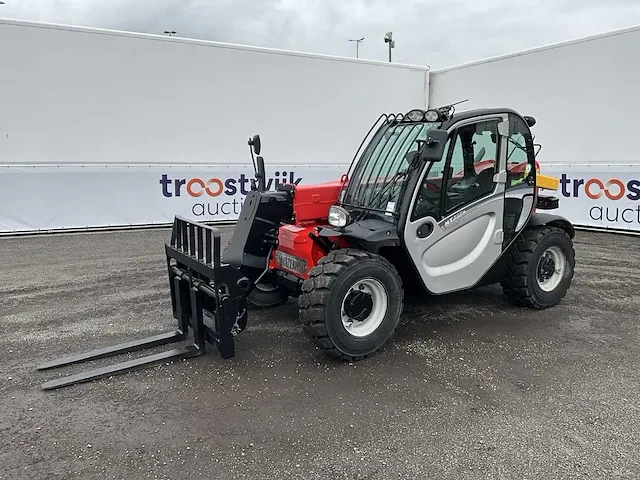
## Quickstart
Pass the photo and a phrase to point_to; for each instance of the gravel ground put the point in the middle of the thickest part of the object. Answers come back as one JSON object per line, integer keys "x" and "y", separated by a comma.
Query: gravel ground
{"x": 471, "y": 387}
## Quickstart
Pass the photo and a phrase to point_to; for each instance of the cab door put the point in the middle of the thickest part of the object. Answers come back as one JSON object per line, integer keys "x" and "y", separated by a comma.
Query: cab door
{"x": 520, "y": 191}
{"x": 454, "y": 229}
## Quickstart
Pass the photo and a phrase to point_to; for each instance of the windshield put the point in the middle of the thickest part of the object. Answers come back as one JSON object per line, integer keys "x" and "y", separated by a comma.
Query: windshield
{"x": 375, "y": 185}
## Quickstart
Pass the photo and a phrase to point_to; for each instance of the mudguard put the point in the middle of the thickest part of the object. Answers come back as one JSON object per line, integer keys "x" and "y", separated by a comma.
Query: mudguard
{"x": 538, "y": 219}
{"x": 370, "y": 234}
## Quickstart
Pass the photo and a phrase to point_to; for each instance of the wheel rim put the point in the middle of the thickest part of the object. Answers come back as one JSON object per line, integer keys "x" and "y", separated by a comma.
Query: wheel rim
{"x": 551, "y": 268}
{"x": 364, "y": 307}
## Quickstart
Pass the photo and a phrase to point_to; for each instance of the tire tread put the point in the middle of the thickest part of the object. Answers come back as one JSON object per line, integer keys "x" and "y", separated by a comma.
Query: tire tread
{"x": 515, "y": 283}
{"x": 316, "y": 295}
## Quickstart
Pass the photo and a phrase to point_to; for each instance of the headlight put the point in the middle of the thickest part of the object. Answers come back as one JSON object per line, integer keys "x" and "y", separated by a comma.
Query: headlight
{"x": 338, "y": 216}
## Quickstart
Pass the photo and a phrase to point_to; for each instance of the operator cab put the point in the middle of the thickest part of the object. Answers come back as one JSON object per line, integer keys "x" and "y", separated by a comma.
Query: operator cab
{"x": 434, "y": 163}
{"x": 448, "y": 192}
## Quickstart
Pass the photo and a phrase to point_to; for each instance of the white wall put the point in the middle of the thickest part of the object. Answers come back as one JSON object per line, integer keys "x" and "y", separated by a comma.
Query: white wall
{"x": 584, "y": 97}
{"x": 76, "y": 103}
{"x": 583, "y": 94}
{"x": 94, "y": 124}
{"x": 70, "y": 95}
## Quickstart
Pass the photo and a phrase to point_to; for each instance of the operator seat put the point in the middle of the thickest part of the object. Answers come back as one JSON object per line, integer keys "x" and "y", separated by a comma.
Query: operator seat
{"x": 483, "y": 184}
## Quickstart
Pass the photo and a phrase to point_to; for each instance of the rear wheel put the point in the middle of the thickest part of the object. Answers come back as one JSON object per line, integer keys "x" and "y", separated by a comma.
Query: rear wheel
{"x": 351, "y": 304}
{"x": 267, "y": 293}
{"x": 540, "y": 268}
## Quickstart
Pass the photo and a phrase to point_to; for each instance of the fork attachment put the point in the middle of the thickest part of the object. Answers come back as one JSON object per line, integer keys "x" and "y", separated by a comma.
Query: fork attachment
{"x": 201, "y": 286}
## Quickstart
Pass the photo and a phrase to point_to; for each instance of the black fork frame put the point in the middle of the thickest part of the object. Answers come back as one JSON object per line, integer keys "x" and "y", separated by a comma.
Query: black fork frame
{"x": 199, "y": 283}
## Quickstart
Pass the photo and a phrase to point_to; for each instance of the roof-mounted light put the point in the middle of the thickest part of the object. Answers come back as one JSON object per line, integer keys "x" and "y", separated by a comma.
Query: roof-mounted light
{"x": 416, "y": 115}
{"x": 432, "y": 115}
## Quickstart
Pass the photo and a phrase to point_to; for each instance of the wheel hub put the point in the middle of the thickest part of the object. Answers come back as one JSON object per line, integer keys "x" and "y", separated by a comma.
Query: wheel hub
{"x": 358, "y": 304}
{"x": 364, "y": 307}
{"x": 551, "y": 268}
{"x": 546, "y": 268}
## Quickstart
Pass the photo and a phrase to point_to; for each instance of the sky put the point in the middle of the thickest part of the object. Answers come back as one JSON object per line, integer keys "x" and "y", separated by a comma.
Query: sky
{"x": 427, "y": 32}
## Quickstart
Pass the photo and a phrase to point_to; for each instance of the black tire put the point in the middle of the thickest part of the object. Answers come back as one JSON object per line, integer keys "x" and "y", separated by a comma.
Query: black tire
{"x": 520, "y": 283}
{"x": 320, "y": 303}
{"x": 267, "y": 294}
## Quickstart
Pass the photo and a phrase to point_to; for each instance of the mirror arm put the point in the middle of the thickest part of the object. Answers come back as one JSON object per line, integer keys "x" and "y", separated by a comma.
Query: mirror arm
{"x": 253, "y": 160}
{"x": 260, "y": 174}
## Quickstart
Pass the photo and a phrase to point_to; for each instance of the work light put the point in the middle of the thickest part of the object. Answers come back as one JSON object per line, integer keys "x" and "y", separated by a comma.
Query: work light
{"x": 338, "y": 216}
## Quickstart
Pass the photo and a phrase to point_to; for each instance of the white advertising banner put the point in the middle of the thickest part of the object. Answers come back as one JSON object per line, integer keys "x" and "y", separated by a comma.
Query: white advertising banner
{"x": 42, "y": 198}
{"x": 602, "y": 196}
{"x": 37, "y": 198}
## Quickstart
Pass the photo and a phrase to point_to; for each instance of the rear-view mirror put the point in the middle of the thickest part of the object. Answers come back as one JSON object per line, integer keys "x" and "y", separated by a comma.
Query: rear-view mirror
{"x": 256, "y": 144}
{"x": 434, "y": 145}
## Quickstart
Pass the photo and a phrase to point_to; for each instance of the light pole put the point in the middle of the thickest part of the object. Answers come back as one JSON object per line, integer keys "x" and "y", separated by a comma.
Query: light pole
{"x": 388, "y": 38}
{"x": 170, "y": 33}
{"x": 358, "y": 40}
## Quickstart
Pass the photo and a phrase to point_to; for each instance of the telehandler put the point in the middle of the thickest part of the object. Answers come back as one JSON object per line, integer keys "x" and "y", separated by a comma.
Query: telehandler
{"x": 435, "y": 202}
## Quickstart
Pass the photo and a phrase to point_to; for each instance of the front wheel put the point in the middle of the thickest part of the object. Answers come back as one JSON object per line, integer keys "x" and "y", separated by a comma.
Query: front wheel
{"x": 540, "y": 268}
{"x": 351, "y": 304}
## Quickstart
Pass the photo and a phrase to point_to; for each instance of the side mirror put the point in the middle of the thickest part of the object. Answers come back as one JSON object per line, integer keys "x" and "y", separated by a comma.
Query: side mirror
{"x": 434, "y": 145}
{"x": 255, "y": 143}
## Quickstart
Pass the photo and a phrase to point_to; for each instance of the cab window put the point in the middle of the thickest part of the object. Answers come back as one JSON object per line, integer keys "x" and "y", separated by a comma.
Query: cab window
{"x": 467, "y": 173}
{"x": 520, "y": 153}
